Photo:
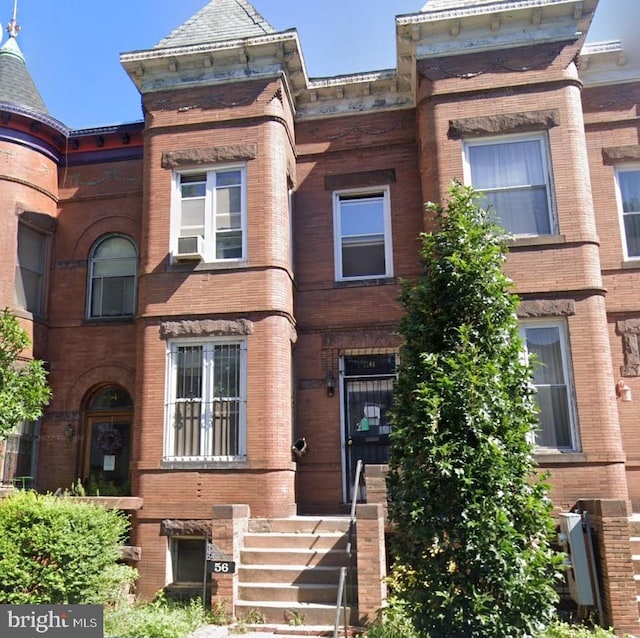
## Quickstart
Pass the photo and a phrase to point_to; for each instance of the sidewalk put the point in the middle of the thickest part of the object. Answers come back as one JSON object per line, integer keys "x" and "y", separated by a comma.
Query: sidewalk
{"x": 284, "y": 631}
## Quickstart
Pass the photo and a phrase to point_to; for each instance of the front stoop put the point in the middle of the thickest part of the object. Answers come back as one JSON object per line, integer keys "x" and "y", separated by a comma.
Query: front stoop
{"x": 289, "y": 571}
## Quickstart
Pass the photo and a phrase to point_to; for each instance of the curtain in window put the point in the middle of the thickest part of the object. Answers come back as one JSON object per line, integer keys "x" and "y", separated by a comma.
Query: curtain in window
{"x": 512, "y": 177}
{"x": 545, "y": 345}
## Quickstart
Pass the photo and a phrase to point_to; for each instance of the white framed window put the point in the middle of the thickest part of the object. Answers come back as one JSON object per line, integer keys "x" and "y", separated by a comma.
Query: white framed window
{"x": 514, "y": 175}
{"x": 206, "y": 400}
{"x": 188, "y": 556}
{"x": 113, "y": 267}
{"x": 30, "y": 279}
{"x": 210, "y": 204}
{"x": 362, "y": 234}
{"x": 628, "y": 182}
{"x": 548, "y": 343}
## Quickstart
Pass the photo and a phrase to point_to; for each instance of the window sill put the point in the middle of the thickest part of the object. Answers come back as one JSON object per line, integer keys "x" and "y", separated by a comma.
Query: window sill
{"x": 92, "y": 321}
{"x": 238, "y": 463}
{"x": 559, "y": 457}
{"x": 373, "y": 281}
{"x": 200, "y": 266}
{"x": 536, "y": 240}
{"x": 630, "y": 264}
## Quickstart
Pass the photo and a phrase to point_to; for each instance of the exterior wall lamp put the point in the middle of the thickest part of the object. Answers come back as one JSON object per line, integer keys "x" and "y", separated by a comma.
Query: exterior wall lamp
{"x": 68, "y": 432}
{"x": 331, "y": 384}
{"x": 623, "y": 391}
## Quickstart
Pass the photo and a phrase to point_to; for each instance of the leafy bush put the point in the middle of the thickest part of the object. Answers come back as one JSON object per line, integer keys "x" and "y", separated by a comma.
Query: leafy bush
{"x": 159, "y": 619}
{"x": 562, "y": 630}
{"x": 57, "y": 550}
{"x": 473, "y": 523}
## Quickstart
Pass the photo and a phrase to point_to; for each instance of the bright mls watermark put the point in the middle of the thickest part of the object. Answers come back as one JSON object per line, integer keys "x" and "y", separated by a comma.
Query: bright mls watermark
{"x": 52, "y": 621}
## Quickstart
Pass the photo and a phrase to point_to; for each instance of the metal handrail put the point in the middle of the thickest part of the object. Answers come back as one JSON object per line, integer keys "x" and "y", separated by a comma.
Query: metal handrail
{"x": 341, "y": 599}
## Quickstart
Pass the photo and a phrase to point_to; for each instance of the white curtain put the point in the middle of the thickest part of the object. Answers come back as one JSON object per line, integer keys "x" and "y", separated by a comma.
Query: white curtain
{"x": 512, "y": 177}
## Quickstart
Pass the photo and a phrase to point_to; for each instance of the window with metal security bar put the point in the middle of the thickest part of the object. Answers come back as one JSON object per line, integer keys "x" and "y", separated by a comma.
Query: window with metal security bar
{"x": 206, "y": 401}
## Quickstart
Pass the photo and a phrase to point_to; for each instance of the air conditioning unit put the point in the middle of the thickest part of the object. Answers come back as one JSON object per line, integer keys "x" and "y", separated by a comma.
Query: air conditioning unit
{"x": 190, "y": 248}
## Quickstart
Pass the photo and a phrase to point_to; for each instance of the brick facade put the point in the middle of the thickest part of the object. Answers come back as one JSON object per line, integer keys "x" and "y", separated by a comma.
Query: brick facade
{"x": 298, "y": 143}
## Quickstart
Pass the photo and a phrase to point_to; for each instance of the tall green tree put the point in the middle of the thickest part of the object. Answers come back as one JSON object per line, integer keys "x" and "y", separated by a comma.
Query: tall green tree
{"x": 473, "y": 523}
{"x": 23, "y": 383}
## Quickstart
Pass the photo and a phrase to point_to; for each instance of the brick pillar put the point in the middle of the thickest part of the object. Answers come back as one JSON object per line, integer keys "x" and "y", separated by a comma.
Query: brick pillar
{"x": 375, "y": 478}
{"x": 230, "y": 524}
{"x": 611, "y": 538}
{"x": 372, "y": 589}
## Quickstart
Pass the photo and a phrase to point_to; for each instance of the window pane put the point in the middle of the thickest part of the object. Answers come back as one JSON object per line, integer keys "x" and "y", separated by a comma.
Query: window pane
{"x": 115, "y": 268}
{"x": 632, "y": 233}
{"x": 363, "y": 216}
{"x": 227, "y": 221}
{"x": 192, "y": 219}
{"x": 29, "y": 275}
{"x": 363, "y": 260}
{"x": 187, "y": 423}
{"x": 226, "y": 371}
{"x": 228, "y": 178}
{"x": 552, "y": 392}
{"x": 114, "y": 298}
{"x": 228, "y": 200}
{"x": 522, "y": 211}
{"x": 115, "y": 248}
{"x": 189, "y": 372}
{"x": 229, "y": 245}
{"x": 555, "y": 428}
{"x": 506, "y": 164}
{"x": 630, "y": 190}
{"x": 188, "y": 560}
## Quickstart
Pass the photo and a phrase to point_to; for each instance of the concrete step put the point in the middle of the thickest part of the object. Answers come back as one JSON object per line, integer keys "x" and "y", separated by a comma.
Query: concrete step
{"x": 298, "y": 557}
{"x": 300, "y": 524}
{"x": 288, "y": 540}
{"x": 291, "y": 574}
{"x": 299, "y": 593}
{"x": 290, "y": 613}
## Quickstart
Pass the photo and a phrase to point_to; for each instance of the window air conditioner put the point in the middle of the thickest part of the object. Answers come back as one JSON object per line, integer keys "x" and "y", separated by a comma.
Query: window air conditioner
{"x": 190, "y": 248}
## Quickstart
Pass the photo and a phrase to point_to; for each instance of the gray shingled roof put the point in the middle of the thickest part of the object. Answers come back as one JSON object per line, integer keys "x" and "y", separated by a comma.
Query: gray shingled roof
{"x": 16, "y": 84}
{"x": 444, "y": 5}
{"x": 220, "y": 20}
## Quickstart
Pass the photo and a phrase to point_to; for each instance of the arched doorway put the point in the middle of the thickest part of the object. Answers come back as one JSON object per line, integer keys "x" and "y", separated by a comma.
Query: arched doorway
{"x": 107, "y": 448}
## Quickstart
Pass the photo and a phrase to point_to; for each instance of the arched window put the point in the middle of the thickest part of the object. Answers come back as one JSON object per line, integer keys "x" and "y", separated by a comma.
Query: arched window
{"x": 112, "y": 277}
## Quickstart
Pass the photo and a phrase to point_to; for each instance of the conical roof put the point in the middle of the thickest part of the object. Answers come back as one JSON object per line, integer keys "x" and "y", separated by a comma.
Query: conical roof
{"x": 16, "y": 84}
{"x": 218, "y": 21}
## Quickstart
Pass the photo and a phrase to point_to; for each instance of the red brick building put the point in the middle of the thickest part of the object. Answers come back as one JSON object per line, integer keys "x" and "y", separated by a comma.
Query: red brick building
{"x": 219, "y": 281}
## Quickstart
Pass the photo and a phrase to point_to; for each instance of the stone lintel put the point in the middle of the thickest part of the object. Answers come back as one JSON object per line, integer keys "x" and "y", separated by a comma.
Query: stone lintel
{"x": 504, "y": 123}
{"x": 547, "y": 308}
{"x": 205, "y": 328}
{"x": 209, "y": 155}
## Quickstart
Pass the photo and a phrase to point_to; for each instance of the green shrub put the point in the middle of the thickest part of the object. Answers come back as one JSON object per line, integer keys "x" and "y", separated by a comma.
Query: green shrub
{"x": 159, "y": 619}
{"x": 472, "y": 523}
{"x": 57, "y": 550}
{"x": 562, "y": 630}
{"x": 392, "y": 621}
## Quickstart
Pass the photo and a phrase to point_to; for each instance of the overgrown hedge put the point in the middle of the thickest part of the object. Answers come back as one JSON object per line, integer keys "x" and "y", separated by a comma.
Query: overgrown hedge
{"x": 60, "y": 551}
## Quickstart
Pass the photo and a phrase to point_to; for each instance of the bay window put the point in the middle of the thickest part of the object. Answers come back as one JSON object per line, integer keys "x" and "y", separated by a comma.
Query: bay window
{"x": 513, "y": 174}
{"x": 206, "y": 397}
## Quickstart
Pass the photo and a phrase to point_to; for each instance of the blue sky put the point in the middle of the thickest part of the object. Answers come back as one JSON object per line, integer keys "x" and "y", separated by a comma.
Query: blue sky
{"x": 72, "y": 47}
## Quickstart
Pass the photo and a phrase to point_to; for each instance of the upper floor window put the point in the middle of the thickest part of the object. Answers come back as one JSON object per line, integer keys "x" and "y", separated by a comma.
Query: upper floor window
{"x": 30, "y": 284}
{"x": 514, "y": 176}
{"x": 206, "y": 400}
{"x": 112, "y": 278}
{"x": 629, "y": 194}
{"x": 209, "y": 215}
{"x": 548, "y": 343}
{"x": 362, "y": 234}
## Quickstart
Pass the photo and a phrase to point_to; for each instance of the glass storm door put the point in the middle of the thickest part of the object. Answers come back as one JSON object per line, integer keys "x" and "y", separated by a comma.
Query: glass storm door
{"x": 368, "y": 395}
